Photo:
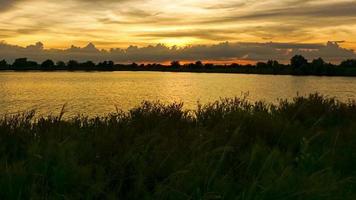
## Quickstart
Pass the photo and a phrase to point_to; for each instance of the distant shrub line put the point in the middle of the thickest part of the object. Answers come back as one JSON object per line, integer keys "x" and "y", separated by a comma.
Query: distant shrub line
{"x": 298, "y": 66}
{"x": 229, "y": 149}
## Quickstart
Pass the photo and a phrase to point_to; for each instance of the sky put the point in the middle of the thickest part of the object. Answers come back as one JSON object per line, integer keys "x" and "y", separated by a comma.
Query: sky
{"x": 214, "y": 30}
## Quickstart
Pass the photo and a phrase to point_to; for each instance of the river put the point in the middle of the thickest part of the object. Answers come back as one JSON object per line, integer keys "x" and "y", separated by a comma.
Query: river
{"x": 98, "y": 93}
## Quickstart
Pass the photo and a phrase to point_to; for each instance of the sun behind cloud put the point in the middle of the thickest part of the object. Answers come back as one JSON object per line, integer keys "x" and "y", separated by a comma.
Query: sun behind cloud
{"x": 179, "y": 42}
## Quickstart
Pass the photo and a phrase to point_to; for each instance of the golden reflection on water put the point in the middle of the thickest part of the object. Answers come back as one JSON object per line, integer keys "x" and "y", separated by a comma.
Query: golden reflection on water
{"x": 97, "y": 93}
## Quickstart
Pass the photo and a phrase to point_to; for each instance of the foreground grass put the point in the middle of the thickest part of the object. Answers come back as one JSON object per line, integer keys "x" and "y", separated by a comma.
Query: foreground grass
{"x": 230, "y": 149}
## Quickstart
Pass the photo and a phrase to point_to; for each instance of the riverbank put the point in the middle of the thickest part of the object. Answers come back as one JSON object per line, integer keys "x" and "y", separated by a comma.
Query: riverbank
{"x": 332, "y": 72}
{"x": 230, "y": 149}
{"x": 298, "y": 66}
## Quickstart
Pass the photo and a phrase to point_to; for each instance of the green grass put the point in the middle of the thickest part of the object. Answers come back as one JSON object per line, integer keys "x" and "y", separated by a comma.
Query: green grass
{"x": 229, "y": 149}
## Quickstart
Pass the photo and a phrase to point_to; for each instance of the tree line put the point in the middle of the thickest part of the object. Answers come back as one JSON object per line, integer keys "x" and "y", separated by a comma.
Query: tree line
{"x": 298, "y": 65}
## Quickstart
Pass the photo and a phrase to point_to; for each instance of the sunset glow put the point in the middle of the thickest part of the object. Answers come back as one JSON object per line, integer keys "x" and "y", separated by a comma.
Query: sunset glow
{"x": 121, "y": 23}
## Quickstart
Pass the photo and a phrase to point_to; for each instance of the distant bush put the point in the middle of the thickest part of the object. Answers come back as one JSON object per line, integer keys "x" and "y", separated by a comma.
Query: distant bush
{"x": 3, "y": 64}
{"x": 228, "y": 149}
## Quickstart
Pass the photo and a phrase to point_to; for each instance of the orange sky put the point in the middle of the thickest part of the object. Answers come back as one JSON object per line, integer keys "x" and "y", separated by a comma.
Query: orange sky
{"x": 120, "y": 23}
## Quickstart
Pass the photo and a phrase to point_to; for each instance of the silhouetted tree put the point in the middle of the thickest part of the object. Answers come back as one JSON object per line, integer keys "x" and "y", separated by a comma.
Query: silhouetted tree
{"x": 3, "y": 64}
{"x": 73, "y": 65}
{"x": 348, "y": 63}
{"x": 19, "y": 63}
{"x": 87, "y": 65}
{"x": 298, "y": 61}
{"x": 135, "y": 65}
{"x": 318, "y": 65}
{"x": 175, "y": 64}
{"x": 235, "y": 65}
{"x": 261, "y": 65}
{"x": 199, "y": 64}
{"x": 209, "y": 66}
{"x": 109, "y": 63}
{"x": 106, "y": 65}
{"x": 23, "y": 63}
{"x": 196, "y": 65}
{"x": 272, "y": 64}
{"x": 32, "y": 64}
{"x": 318, "y": 62}
{"x": 47, "y": 65}
{"x": 60, "y": 65}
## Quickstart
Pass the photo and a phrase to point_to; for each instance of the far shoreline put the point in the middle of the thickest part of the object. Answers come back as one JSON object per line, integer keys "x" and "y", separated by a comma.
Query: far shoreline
{"x": 299, "y": 66}
{"x": 185, "y": 71}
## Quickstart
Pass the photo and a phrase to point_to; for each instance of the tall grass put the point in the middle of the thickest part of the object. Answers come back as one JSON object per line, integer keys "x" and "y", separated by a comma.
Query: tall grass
{"x": 229, "y": 149}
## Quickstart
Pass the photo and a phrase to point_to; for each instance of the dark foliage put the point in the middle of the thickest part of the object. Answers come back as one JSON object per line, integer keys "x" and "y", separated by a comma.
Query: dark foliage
{"x": 24, "y": 64}
{"x": 3, "y": 65}
{"x": 348, "y": 63}
{"x": 298, "y": 61}
{"x": 298, "y": 66}
{"x": 230, "y": 149}
{"x": 48, "y": 65}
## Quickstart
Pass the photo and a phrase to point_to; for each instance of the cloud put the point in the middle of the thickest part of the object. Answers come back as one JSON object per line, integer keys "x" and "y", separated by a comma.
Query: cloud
{"x": 160, "y": 53}
{"x": 7, "y": 4}
{"x": 208, "y": 34}
{"x": 181, "y": 22}
{"x": 329, "y": 10}
{"x": 291, "y": 11}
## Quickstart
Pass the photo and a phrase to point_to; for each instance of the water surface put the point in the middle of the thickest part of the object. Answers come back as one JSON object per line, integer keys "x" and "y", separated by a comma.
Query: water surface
{"x": 97, "y": 93}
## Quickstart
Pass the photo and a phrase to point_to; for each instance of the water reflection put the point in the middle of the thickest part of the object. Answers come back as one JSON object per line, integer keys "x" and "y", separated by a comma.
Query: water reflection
{"x": 97, "y": 93}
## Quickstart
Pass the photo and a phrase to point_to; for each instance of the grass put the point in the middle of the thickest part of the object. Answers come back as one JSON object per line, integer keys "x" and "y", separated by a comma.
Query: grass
{"x": 229, "y": 149}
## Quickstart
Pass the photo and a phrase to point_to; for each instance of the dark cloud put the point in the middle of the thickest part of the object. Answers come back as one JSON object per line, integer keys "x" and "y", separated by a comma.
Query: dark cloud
{"x": 207, "y": 34}
{"x": 161, "y": 53}
{"x": 297, "y": 10}
{"x": 7, "y": 4}
{"x": 343, "y": 9}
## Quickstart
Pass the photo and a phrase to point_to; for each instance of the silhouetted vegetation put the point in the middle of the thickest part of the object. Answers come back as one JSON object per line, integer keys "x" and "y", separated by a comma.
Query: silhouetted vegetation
{"x": 24, "y": 64}
{"x": 298, "y": 66}
{"x": 229, "y": 149}
{"x": 3, "y": 64}
{"x": 48, "y": 65}
{"x": 348, "y": 63}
